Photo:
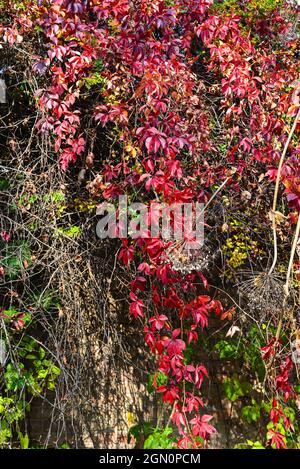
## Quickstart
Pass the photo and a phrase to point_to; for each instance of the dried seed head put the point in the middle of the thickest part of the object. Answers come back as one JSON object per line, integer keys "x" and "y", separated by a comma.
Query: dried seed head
{"x": 264, "y": 292}
{"x": 185, "y": 259}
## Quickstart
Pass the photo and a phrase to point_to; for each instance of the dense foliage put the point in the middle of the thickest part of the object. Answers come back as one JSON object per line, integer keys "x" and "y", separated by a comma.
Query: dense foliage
{"x": 193, "y": 101}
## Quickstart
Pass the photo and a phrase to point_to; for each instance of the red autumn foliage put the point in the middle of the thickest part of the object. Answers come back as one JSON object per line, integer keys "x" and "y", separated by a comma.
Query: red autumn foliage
{"x": 150, "y": 93}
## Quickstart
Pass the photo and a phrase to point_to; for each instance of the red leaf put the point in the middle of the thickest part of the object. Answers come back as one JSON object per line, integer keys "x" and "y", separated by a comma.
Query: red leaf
{"x": 201, "y": 427}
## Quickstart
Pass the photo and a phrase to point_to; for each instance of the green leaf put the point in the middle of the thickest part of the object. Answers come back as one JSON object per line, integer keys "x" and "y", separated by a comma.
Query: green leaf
{"x": 24, "y": 440}
{"x": 228, "y": 349}
{"x": 160, "y": 439}
{"x": 71, "y": 232}
{"x": 135, "y": 431}
{"x": 30, "y": 356}
{"x": 234, "y": 388}
{"x": 14, "y": 256}
{"x": 55, "y": 370}
{"x": 161, "y": 379}
{"x": 251, "y": 413}
{"x": 4, "y": 184}
{"x": 43, "y": 374}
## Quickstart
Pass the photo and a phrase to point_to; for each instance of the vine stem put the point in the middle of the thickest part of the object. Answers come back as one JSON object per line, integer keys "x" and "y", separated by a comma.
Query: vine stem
{"x": 215, "y": 194}
{"x": 273, "y": 213}
{"x": 171, "y": 414}
{"x": 286, "y": 287}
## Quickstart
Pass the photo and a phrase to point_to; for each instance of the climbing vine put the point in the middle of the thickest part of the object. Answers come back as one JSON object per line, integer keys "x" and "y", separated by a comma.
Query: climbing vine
{"x": 194, "y": 101}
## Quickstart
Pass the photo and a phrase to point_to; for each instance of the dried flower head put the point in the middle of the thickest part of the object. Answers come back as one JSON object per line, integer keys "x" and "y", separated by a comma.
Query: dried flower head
{"x": 186, "y": 258}
{"x": 264, "y": 292}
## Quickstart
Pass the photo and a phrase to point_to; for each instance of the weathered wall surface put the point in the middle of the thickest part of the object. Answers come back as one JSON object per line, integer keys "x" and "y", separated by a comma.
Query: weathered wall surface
{"x": 115, "y": 398}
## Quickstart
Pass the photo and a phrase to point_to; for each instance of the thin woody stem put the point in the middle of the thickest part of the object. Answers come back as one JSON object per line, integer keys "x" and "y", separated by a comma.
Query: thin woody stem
{"x": 286, "y": 287}
{"x": 273, "y": 213}
{"x": 215, "y": 194}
